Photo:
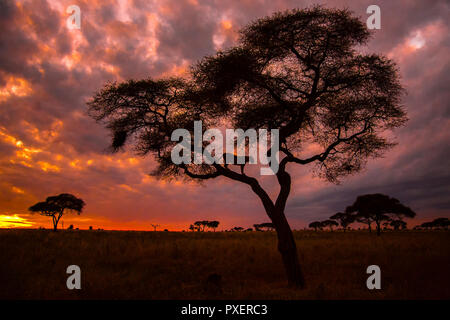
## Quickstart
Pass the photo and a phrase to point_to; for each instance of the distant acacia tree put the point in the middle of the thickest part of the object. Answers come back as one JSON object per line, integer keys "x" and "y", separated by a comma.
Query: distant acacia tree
{"x": 436, "y": 223}
{"x": 297, "y": 72}
{"x": 316, "y": 225}
{"x": 56, "y": 206}
{"x": 154, "y": 226}
{"x": 213, "y": 224}
{"x": 345, "y": 219}
{"x": 237, "y": 229}
{"x": 379, "y": 208}
{"x": 427, "y": 225}
{"x": 329, "y": 223}
{"x": 268, "y": 226}
{"x": 203, "y": 224}
{"x": 365, "y": 220}
{"x": 200, "y": 225}
{"x": 441, "y": 223}
{"x": 256, "y": 226}
{"x": 398, "y": 224}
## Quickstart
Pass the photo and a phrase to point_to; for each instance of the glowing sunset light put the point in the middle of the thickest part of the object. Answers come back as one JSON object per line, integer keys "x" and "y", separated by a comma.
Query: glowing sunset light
{"x": 15, "y": 87}
{"x": 227, "y": 25}
{"x": 417, "y": 41}
{"x": 17, "y": 190}
{"x": 14, "y": 221}
{"x": 48, "y": 167}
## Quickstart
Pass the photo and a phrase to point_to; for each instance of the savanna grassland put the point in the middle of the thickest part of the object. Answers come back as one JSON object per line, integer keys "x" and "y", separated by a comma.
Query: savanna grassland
{"x": 177, "y": 265}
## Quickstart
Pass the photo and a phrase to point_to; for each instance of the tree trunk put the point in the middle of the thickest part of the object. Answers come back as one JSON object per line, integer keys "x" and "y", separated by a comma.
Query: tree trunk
{"x": 288, "y": 251}
{"x": 275, "y": 211}
{"x": 55, "y": 223}
{"x": 378, "y": 228}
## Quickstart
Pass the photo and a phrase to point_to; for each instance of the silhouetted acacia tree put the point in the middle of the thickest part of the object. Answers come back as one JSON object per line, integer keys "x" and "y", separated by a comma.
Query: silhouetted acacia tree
{"x": 296, "y": 71}
{"x": 56, "y": 206}
{"x": 154, "y": 226}
{"x": 345, "y": 219}
{"x": 365, "y": 220}
{"x": 213, "y": 224}
{"x": 398, "y": 224}
{"x": 268, "y": 226}
{"x": 200, "y": 225}
{"x": 427, "y": 225}
{"x": 204, "y": 224}
{"x": 329, "y": 223}
{"x": 441, "y": 223}
{"x": 436, "y": 223}
{"x": 316, "y": 225}
{"x": 379, "y": 208}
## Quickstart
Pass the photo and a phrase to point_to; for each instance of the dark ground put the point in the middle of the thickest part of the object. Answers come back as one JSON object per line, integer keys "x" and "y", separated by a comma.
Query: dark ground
{"x": 239, "y": 265}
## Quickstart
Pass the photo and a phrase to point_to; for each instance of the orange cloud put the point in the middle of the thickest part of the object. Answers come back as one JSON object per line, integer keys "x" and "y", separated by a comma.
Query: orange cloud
{"x": 15, "y": 86}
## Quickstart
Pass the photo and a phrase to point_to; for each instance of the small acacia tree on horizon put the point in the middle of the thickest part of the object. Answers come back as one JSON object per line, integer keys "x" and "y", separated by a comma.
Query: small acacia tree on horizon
{"x": 329, "y": 223}
{"x": 379, "y": 207}
{"x": 365, "y": 220}
{"x": 268, "y": 226}
{"x": 56, "y": 206}
{"x": 297, "y": 71}
{"x": 345, "y": 219}
{"x": 398, "y": 224}
{"x": 316, "y": 225}
{"x": 213, "y": 224}
{"x": 443, "y": 223}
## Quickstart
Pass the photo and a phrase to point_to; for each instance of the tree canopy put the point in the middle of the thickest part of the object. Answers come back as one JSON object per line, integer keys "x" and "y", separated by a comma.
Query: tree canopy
{"x": 296, "y": 71}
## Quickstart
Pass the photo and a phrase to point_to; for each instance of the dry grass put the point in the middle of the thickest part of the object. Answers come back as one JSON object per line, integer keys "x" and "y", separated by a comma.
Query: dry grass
{"x": 175, "y": 265}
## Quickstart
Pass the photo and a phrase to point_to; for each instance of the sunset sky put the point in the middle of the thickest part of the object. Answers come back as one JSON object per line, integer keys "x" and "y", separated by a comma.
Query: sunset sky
{"x": 48, "y": 145}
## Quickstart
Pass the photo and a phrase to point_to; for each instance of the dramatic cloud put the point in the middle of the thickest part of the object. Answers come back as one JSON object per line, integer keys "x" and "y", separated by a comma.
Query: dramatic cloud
{"x": 49, "y": 145}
